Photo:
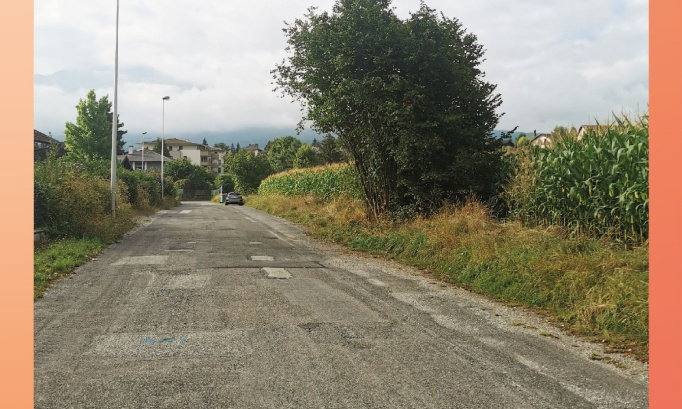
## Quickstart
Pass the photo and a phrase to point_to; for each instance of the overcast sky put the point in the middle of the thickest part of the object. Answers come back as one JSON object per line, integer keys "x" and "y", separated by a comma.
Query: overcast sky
{"x": 561, "y": 62}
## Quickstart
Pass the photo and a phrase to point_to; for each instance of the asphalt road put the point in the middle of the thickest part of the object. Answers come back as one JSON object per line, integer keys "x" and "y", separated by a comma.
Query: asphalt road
{"x": 211, "y": 306}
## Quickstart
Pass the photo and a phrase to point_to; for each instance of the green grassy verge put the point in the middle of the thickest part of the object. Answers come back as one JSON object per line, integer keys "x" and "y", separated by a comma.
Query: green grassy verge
{"x": 589, "y": 287}
{"x": 55, "y": 260}
{"x": 58, "y": 258}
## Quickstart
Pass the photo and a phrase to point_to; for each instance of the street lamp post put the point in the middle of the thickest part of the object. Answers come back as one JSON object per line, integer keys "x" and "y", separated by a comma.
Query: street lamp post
{"x": 143, "y": 134}
{"x": 163, "y": 118}
{"x": 114, "y": 127}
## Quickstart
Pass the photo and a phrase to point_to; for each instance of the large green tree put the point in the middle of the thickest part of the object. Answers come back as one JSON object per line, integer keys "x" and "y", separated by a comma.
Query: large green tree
{"x": 157, "y": 148}
{"x": 247, "y": 169}
{"x": 90, "y": 137}
{"x": 179, "y": 169}
{"x": 329, "y": 153}
{"x": 195, "y": 176}
{"x": 282, "y": 152}
{"x": 305, "y": 157}
{"x": 405, "y": 97}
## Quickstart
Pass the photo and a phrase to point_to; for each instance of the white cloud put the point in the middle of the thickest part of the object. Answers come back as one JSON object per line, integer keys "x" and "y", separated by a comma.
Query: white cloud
{"x": 555, "y": 63}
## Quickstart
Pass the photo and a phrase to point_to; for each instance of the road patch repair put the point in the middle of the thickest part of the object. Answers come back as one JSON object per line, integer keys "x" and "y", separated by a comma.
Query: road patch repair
{"x": 231, "y": 325}
{"x": 279, "y": 273}
{"x": 141, "y": 260}
{"x": 261, "y": 258}
{"x": 187, "y": 282}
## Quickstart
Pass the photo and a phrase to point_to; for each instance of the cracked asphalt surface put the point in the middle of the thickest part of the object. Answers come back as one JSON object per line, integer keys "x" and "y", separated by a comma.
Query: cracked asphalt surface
{"x": 212, "y": 306}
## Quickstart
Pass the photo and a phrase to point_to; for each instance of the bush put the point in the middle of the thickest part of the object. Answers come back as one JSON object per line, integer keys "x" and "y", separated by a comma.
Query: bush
{"x": 226, "y": 181}
{"x": 42, "y": 194}
{"x": 73, "y": 201}
{"x": 305, "y": 157}
{"x": 247, "y": 169}
{"x": 81, "y": 207}
{"x": 144, "y": 189}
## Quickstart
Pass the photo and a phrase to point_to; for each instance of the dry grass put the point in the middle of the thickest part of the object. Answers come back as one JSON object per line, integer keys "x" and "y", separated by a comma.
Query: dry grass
{"x": 592, "y": 287}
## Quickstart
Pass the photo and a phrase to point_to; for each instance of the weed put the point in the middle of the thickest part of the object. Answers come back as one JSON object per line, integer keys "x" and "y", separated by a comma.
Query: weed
{"x": 591, "y": 286}
{"x": 58, "y": 259}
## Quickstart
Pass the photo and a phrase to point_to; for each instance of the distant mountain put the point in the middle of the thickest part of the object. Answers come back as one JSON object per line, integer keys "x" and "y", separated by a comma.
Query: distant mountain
{"x": 262, "y": 136}
{"x": 248, "y": 136}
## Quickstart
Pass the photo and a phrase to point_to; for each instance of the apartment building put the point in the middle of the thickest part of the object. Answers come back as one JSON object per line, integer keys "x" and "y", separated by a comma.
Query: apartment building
{"x": 208, "y": 157}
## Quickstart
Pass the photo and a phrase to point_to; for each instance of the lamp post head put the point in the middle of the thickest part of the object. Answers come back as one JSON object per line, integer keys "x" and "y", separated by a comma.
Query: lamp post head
{"x": 144, "y": 133}
{"x": 166, "y": 98}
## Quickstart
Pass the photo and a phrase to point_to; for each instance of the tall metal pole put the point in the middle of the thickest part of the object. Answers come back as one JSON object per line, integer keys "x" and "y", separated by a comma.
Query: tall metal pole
{"x": 163, "y": 118}
{"x": 143, "y": 134}
{"x": 114, "y": 126}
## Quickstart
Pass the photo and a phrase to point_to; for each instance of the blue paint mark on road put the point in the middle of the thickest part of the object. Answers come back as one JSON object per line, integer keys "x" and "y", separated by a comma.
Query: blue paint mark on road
{"x": 168, "y": 340}
{"x": 148, "y": 341}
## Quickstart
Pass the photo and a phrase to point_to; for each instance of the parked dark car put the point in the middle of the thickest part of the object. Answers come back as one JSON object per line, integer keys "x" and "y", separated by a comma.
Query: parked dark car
{"x": 234, "y": 197}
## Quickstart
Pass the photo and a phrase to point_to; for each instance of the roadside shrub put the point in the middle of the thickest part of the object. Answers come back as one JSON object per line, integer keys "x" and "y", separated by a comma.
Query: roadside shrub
{"x": 199, "y": 178}
{"x": 143, "y": 187}
{"x": 179, "y": 184}
{"x": 42, "y": 194}
{"x": 73, "y": 201}
{"x": 81, "y": 207}
{"x": 226, "y": 181}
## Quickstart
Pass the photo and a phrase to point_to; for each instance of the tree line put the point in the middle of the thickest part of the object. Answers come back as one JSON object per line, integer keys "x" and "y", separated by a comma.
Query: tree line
{"x": 405, "y": 98}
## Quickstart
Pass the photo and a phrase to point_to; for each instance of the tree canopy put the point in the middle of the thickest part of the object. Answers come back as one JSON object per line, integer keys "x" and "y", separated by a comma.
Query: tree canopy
{"x": 195, "y": 176}
{"x": 329, "y": 153}
{"x": 305, "y": 157}
{"x": 90, "y": 137}
{"x": 405, "y": 97}
{"x": 157, "y": 148}
{"x": 281, "y": 153}
{"x": 247, "y": 169}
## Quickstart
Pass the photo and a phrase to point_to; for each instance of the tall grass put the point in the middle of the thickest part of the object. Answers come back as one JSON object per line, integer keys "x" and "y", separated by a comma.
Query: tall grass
{"x": 326, "y": 182}
{"x": 73, "y": 205}
{"x": 59, "y": 258}
{"x": 591, "y": 287}
{"x": 77, "y": 203}
{"x": 598, "y": 185}
{"x": 568, "y": 203}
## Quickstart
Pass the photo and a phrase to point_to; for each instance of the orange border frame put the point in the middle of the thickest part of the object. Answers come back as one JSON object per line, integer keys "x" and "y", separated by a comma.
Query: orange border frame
{"x": 665, "y": 267}
{"x": 16, "y": 290}
{"x": 16, "y": 294}
{"x": 665, "y": 73}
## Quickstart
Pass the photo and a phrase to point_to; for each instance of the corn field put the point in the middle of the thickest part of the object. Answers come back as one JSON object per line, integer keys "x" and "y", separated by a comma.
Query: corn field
{"x": 326, "y": 182}
{"x": 597, "y": 185}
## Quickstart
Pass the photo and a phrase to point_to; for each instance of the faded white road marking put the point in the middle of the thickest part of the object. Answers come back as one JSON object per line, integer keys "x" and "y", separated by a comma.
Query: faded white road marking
{"x": 262, "y": 258}
{"x": 141, "y": 260}
{"x": 277, "y": 272}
